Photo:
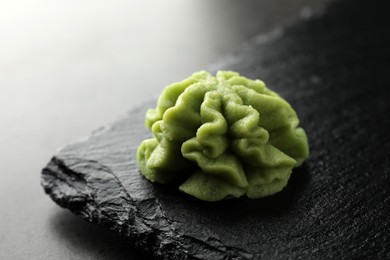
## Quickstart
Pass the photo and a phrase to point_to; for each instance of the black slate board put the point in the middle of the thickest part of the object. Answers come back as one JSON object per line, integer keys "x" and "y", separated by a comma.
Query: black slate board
{"x": 335, "y": 71}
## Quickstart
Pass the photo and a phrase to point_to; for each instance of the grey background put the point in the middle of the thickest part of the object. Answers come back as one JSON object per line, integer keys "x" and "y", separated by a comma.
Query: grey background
{"x": 68, "y": 67}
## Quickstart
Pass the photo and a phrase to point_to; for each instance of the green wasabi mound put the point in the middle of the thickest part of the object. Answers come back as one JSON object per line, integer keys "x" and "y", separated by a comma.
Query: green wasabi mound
{"x": 221, "y": 137}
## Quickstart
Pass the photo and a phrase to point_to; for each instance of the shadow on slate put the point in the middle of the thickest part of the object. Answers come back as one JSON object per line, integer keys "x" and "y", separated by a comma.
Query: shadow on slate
{"x": 334, "y": 69}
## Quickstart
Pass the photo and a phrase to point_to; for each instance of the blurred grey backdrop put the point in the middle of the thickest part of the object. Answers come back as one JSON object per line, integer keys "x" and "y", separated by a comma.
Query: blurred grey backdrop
{"x": 68, "y": 67}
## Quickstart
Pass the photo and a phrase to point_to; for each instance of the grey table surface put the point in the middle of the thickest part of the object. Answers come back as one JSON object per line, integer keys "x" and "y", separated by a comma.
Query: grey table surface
{"x": 67, "y": 68}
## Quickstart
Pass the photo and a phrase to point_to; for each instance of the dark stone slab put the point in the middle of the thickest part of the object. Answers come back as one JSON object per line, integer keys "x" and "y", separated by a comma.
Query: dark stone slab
{"x": 335, "y": 70}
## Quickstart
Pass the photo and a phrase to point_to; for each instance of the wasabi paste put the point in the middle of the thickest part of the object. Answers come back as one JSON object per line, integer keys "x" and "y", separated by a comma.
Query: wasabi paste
{"x": 220, "y": 137}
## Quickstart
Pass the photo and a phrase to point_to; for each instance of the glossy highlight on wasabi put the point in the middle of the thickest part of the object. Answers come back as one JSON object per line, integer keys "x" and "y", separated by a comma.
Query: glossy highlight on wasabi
{"x": 222, "y": 137}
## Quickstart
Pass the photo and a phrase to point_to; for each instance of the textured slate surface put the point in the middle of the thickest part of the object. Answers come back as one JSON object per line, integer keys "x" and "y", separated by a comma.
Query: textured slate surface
{"x": 334, "y": 69}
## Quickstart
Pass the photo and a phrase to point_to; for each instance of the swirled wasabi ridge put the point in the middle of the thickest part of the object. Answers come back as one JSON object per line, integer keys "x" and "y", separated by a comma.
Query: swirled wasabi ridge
{"x": 223, "y": 136}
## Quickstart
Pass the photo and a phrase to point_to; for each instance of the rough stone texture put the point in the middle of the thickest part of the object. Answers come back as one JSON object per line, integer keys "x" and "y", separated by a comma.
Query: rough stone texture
{"x": 334, "y": 69}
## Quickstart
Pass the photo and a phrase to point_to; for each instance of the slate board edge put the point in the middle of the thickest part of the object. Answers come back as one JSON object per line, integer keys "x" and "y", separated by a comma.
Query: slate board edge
{"x": 58, "y": 178}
